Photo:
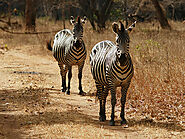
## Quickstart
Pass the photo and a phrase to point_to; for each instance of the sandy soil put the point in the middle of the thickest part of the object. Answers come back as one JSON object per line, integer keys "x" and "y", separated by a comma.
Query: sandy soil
{"x": 32, "y": 106}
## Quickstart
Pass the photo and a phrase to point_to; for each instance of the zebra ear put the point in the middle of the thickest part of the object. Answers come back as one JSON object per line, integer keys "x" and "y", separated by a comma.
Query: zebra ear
{"x": 72, "y": 20}
{"x": 122, "y": 27}
{"x": 115, "y": 27}
{"x": 129, "y": 29}
{"x": 84, "y": 20}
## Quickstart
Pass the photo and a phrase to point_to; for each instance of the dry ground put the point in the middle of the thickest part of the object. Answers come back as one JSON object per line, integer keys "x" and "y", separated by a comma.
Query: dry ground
{"x": 32, "y": 106}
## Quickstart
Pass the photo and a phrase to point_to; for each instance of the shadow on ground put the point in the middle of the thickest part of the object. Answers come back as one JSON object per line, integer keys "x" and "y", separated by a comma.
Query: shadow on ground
{"x": 15, "y": 100}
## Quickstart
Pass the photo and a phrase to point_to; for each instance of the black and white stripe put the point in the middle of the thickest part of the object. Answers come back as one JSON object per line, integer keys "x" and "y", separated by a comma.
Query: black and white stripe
{"x": 112, "y": 67}
{"x": 69, "y": 49}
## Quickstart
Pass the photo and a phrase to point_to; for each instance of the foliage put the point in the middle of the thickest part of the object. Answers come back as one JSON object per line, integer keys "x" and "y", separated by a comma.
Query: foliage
{"x": 116, "y": 12}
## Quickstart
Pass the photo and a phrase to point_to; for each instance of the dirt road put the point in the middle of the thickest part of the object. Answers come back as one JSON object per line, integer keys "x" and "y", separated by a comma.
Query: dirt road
{"x": 32, "y": 106}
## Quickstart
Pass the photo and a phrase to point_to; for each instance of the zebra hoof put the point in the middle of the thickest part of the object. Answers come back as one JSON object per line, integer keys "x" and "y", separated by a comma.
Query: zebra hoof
{"x": 102, "y": 118}
{"x": 112, "y": 123}
{"x": 82, "y": 93}
{"x": 123, "y": 122}
{"x": 63, "y": 89}
{"x": 68, "y": 92}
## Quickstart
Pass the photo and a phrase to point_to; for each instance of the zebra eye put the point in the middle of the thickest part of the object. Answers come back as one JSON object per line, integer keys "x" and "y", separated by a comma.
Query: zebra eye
{"x": 118, "y": 53}
{"x": 127, "y": 41}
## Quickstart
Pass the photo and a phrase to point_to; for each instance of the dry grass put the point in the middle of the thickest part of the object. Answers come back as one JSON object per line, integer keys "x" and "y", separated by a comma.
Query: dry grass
{"x": 157, "y": 89}
{"x": 155, "y": 97}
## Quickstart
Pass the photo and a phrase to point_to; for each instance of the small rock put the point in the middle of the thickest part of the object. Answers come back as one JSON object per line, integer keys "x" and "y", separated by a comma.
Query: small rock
{"x": 5, "y": 116}
{"x": 175, "y": 133}
{"x": 29, "y": 122}
{"x": 41, "y": 112}
{"x": 36, "y": 113}
{"x": 125, "y": 126}
{"x": 89, "y": 100}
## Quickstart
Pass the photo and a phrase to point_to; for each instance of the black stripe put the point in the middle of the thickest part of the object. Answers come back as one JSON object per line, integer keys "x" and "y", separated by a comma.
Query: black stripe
{"x": 122, "y": 78}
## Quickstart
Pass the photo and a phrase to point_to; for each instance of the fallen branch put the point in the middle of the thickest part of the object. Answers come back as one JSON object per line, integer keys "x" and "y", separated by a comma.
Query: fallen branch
{"x": 3, "y": 21}
{"x": 12, "y": 32}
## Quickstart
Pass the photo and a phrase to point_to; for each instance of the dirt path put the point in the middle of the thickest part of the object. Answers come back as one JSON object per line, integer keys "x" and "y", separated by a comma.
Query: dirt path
{"x": 32, "y": 106}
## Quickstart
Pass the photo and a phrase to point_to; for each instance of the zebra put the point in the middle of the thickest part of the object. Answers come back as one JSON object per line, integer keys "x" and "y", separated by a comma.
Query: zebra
{"x": 69, "y": 49}
{"x": 111, "y": 67}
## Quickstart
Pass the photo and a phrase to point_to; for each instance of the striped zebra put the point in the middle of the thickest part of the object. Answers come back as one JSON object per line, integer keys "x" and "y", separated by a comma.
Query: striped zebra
{"x": 69, "y": 49}
{"x": 111, "y": 67}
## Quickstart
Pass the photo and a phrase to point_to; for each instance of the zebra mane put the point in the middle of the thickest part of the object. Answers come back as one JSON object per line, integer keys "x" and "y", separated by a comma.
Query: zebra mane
{"x": 78, "y": 20}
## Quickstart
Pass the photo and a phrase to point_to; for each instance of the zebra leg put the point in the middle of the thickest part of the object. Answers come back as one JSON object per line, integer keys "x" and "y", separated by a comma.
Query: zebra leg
{"x": 100, "y": 89}
{"x": 123, "y": 101}
{"x": 69, "y": 79}
{"x": 80, "y": 68}
{"x": 113, "y": 102}
{"x": 63, "y": 76}
{"x": 104, "y": 96}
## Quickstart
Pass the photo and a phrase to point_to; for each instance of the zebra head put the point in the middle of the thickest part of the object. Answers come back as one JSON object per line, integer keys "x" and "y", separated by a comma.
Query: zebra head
{"x": 122, "y": 38}
{"x": 77, "y": 28}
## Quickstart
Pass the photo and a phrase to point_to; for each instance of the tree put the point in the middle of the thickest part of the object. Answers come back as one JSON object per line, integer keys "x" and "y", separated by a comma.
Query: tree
{"x": 8, "y": 10}
{"x": 160, "y": 15}
{"x": 97, "y": 11}
{"x": 125, "y": 12}
{"x": 30, "y": 15}
{"x": 60, "y": 9}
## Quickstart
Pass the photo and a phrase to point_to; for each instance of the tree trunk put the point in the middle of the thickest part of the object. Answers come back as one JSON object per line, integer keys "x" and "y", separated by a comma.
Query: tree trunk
{"x": 30, "y": 15}
{"x": 97, "y": 11}
{"x": 102, "y": 12}
{"x": 100, "y": 21}
{"x": 92, "y": 24}
{"x": 9, "y": 13}
{"x": 63, "y": 17}
{"x": 125, "y": 13}
{"x": 160, "y": 15}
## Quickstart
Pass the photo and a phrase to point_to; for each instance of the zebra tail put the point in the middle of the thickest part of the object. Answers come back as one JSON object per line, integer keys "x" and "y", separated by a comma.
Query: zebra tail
{"x": 48, "y": 43}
